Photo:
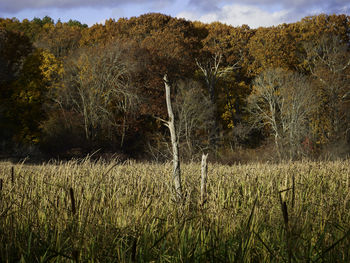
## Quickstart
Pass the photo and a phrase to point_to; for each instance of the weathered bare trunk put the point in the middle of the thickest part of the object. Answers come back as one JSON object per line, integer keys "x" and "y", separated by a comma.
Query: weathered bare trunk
{"x": 171, "y": 126}
{"x": 204, "y": 168}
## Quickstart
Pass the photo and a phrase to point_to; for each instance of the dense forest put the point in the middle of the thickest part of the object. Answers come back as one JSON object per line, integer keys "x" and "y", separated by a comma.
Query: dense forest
{"x": 68, "y": 90}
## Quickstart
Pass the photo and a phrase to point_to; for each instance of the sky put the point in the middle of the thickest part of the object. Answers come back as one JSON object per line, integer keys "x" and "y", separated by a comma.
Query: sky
{"x": 254, "y": 13}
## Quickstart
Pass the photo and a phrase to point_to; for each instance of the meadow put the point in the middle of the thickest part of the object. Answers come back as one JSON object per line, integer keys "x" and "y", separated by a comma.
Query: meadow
{"x": 93, "y": 211}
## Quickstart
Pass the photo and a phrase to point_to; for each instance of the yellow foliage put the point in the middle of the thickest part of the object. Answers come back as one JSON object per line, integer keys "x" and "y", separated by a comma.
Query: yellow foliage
{"x": 229, "y": 111}
{"x": 51, "y": 68}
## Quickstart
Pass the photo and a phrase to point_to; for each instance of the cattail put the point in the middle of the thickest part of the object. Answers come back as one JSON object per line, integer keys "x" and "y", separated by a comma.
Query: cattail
{"x": 65, "y": 201}
{"x": 75, "y": 254}
{"x": 293, "y": 190}
{"x": 134, "y": 250}
{"x": 284, "y": 210}
{"x": 12, "y": 175}
{"x": 71, "y": 192}
{"x": 285, "y": 213}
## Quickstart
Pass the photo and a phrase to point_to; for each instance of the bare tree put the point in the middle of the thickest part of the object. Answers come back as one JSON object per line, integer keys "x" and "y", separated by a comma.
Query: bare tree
{"x": 194, "y": 117}
{"x": 190, "y": 119}
{"x": 328, "y": 61}
{"x": 300, "y": 104}
{"x": 171, "y": 125}
{"x": 204, "y": 178}
{"x": 213, "y": 70}
{"x": 283, "y": 102}
{"x": 98, "y": 87}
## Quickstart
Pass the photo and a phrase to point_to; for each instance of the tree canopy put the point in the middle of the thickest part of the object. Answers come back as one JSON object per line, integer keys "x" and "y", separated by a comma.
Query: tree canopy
{"x": 116, "y": 70}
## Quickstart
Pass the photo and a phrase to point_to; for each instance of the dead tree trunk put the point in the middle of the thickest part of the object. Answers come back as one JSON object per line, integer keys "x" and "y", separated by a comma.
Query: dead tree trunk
{"x": 171, "y": 125}
{"x": 204, "y": 168}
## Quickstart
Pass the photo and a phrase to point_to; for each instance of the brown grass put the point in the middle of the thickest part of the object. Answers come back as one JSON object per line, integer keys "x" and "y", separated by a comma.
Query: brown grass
{"x": 106, "y": 212}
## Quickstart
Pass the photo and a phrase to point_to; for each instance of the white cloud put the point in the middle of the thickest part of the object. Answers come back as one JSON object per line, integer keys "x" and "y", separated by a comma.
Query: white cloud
{"x": 257, "y": 13}
{"x": 237, "y": 15}
{"x": 210, "y": 4}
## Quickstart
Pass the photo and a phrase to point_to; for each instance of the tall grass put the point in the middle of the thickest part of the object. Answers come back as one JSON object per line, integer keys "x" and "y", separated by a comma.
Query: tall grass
{"x": 83, "y": 211}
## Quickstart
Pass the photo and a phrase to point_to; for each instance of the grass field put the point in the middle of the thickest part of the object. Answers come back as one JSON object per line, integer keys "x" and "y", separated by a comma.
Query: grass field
{"x": 83, "y": 211}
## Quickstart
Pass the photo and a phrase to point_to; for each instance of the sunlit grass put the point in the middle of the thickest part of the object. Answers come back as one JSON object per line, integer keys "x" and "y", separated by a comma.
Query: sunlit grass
{"x": 126, "y": 213}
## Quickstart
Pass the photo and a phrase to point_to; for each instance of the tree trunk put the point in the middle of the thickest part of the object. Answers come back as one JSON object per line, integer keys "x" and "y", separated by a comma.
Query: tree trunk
{"x": 214, "y": 129}
{"x": 171, "y": 126}
{"x": 204, "y": 168}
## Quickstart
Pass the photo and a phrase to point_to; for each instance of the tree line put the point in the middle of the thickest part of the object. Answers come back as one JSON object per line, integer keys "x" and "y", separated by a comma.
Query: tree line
{"x": 69, "y": 89}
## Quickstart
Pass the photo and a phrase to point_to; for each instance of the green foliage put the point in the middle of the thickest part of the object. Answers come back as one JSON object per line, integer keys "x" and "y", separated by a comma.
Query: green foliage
{"x": 28, "y": 97}
{"x": 45, "y": 20}
{"x": 76, "y": 23}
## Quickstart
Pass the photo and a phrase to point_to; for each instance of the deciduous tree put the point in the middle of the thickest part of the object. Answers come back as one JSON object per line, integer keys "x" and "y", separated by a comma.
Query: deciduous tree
{"x": 97, "y": 86}
{"x": 194, "y": 116}
{"x": 328, "y": 61}
{"x": 283, "y": 103}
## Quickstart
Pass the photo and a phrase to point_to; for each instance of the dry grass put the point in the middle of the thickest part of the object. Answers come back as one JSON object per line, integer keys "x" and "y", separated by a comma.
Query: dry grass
{"x": 104, "y": 212}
